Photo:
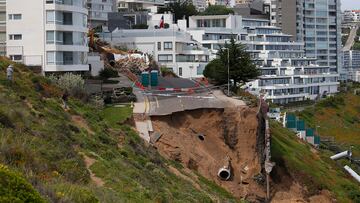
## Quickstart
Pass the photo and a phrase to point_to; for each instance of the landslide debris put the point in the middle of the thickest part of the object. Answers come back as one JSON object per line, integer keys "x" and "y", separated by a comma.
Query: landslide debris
{"x": 202, "y": 139}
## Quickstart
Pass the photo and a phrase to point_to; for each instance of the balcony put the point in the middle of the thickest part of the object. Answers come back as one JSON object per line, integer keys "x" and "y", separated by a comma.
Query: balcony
{"x": 79, "y": 3}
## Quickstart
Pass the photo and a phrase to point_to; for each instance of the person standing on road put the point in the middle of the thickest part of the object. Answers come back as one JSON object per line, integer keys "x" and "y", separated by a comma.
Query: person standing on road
{"x": 9, "y": 72}
{"x": 65, "y": 97}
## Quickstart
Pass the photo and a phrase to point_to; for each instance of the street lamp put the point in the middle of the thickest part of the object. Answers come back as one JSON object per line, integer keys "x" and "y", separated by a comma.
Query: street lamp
{"x": 228, "y": 68}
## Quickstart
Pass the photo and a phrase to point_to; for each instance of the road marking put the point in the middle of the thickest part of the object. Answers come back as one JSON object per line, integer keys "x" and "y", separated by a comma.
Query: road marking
{"x": 157, "y": 102}
{"x": 146, "y": 104}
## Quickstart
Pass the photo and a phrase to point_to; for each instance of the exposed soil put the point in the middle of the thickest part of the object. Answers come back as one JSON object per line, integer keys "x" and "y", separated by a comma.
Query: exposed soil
{"x": 296, "y": 194}
{"x": 203, "y": 139}
{"x": 89, "y": 162}
{"x": 81, "y": 122}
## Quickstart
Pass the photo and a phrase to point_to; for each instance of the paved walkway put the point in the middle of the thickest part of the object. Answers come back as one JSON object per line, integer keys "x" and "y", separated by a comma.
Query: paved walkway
{"x": 228, "y": 101}
{"x": 351, "y": 39}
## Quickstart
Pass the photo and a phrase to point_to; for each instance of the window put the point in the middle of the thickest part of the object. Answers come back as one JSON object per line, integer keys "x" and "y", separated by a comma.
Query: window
{"x": 159, "y": 46}
{"x": 16, "y": 57}
{"x": 50, "y": 37}
{"x": 165, "y": 58}
{"x": 168, "y": 45}
{"x": 15, "y": 16}
{"x": 180, "y": 71}
{"x": 50, "y": 57}
{"x": 15, "y": 37}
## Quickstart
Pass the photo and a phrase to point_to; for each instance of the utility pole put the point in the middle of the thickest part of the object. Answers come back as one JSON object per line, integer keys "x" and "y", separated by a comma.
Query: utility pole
{"x": 228, "y": 69}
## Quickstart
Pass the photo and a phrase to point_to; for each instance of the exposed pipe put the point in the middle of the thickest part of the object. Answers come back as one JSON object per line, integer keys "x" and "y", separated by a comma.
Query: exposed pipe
{"x": 340, "y": 155}
{"x": 352, "y": 173}
{"x": 224, "y": 172}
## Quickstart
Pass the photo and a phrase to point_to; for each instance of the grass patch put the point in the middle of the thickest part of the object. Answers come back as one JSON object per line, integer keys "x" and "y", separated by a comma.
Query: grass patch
{"x": 115, "y": 115}
{"x": 315, "y": 171}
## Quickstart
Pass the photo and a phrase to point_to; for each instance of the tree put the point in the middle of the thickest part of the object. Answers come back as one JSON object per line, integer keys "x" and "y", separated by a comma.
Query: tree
{"x": 242, "y": 69}
{"x": 180, "y": 9}
{"x": 217, "y": 10}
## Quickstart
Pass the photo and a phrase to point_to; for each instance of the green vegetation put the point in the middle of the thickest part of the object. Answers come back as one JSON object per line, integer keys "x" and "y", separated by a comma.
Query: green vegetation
{"x": 242, "y": 69}
{"x": 217, "y": 10}
{"x": 107, "y": 73}
{"x": 14, "y": 188}
{"x": 115, "y": 116}
{"x": 180, "y": 9}
{"x": 140, "y": 26}
{"x": 337, "y": 117}
{"x": 314, "y": 170}
{"x": 48, "y": 146}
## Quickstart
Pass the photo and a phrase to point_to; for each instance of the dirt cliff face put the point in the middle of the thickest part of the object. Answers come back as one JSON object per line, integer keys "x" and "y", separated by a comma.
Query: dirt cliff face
{"x": 203, "y": 139}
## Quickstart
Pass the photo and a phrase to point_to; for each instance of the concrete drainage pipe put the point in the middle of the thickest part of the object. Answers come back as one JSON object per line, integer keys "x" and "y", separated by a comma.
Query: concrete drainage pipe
{"x": 224, "y": 173}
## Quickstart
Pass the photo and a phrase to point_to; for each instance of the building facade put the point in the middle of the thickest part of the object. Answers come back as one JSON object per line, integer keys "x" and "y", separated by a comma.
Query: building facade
{"x": 53, "y": 38}
{"x": 351, "y": 16}
{"x": 2, "y": 27}
{"x": 351, "y": 64}
{"x": 98, "y": 11}
{"x": 139, "y": 5}
{"x": 171, "y": 48}
{"x": 317, "y": 23}
{"x": 286, "y": 74}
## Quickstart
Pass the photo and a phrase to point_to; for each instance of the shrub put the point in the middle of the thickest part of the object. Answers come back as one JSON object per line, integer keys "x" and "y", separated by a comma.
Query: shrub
{"x": 140, "y": 26}
{"x": 109, "y": 73}
{"x": 14, "y": 188}
{"x": 332, "y": 102}
{"x": 72, "y": 83}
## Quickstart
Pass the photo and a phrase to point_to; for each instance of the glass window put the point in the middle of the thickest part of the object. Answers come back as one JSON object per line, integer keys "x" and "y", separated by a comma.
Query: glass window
{"x": 168, "y": 45}
{"x": 50, "y": 37}
{"x": 165, "y": 58}
{"x": 159, "y": 46}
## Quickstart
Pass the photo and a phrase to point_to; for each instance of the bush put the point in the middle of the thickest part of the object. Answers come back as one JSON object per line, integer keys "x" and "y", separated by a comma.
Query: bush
{"x": 14, "y": 188}
{"x": 72, "y": 83}
{"x": 140, "y": 26}
{"x": 332, "y": 102}
{"x": 109, "y": 73}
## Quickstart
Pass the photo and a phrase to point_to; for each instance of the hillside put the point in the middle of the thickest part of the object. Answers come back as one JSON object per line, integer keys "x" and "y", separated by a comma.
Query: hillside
{"x": 84, "y": 154}
{"x": 305, "y": 174}
{"x": 337, "y": 117}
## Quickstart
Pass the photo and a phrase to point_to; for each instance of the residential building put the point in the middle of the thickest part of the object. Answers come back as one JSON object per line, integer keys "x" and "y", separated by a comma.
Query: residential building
{"x": 200, "y": 5}
{"x": 139, "y": 5}
{"x": 286, "y": 74}
{"x": 243, "y": 2}
{"x": 127, "y": 19}
{"x": 351, "y": 64}
{"x": 172, "y": 48}
{"x": 317, "y": 23}
{"x": 98, "y": 11}
{"x": 2, "y": 27}
{"x": 351, "y": 16}
{"x": 53, "y": 38}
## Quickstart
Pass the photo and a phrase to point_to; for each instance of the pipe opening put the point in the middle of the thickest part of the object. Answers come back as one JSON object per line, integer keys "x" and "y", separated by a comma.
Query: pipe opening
{"x": 224, "y": 174}
{"x": 201, "y": 137}
{"x": 112, "y": 63}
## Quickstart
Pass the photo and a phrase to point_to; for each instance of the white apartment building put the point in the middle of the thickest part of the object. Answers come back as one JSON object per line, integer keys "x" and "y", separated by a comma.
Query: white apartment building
{"x": 286, "y": 74}
{"x": 50, "y": 34}
{"x": 2, "y": 27}
{"x": 351, "y": 16}
{"x": 171, "y": 47}
{"x": 139, "y": 5}
{"x": 98, "y": 11}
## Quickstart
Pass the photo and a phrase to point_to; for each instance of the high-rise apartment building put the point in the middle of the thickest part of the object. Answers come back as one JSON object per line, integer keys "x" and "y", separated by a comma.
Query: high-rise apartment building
{"x": 317, "y": 23}
{"x": 2, "y": 27}
{"x": 50, "y": 34}
{"x": 98, "y": 11}
{"x": 286, "y": 74}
